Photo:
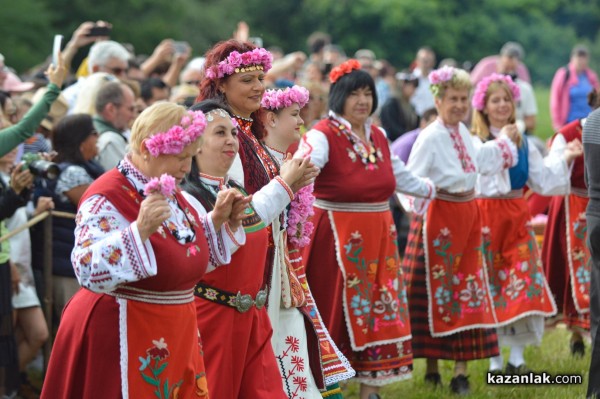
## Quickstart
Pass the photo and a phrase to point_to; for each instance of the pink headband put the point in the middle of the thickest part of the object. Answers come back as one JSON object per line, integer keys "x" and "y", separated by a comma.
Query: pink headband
{"x": 478, "y": 100}
{"x": 277, "y": 99}
{"x": 179, "y": 136}
{"x": 257, "y": 59}
{"x": 438, "y": 76}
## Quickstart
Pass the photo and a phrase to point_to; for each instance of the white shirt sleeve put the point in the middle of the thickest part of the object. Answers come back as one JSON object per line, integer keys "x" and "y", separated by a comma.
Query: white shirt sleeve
{"x": 272, "y": 199}
{"x": 108, "y": 249}
{"x": 408, "y": 182}
{"x": 550, "y": 175}
{"x": 495, "y": 155}
{"x": 315, "y": 145}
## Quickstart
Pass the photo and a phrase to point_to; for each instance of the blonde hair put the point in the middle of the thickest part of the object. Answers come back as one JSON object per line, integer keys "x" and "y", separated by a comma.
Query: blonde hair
{"x": 480, "y": 124}
{"x": 157, "y": 118}
{"x": 460, "y": 81}
{"x": 86, "y": 100}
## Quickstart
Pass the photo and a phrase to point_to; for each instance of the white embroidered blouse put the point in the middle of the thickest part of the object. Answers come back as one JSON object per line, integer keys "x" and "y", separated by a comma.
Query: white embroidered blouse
{"x": 100, "y": 226}
{"x": 452, "y": 159}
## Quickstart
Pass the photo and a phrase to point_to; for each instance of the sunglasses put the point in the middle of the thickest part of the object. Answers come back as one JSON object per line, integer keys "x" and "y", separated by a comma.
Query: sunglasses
{"x": 118, "y": 71}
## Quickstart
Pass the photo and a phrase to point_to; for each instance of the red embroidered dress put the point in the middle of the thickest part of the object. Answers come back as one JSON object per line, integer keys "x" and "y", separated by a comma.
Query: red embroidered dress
{"x": 352, "y": 262}
{"x": 133, "y": 332}
{"x": 566, "y": 258}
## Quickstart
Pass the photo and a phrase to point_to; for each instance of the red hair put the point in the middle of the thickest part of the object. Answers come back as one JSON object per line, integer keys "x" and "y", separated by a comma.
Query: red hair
{"x": 209, "y": 88}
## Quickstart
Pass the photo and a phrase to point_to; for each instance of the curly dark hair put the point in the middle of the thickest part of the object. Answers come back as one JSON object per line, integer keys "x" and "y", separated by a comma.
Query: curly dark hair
{"x": 209, "y": 88}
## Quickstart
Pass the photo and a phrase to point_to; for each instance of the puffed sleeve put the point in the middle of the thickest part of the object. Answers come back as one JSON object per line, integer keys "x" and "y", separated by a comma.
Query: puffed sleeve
{"x": 550, "y": 175}
{"x": 495, "y": 155}
{"x": 108, "y": 249}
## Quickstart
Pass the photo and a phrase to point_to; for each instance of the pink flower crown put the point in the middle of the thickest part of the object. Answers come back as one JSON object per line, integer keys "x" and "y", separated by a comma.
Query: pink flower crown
{"x": 438, "y": 76}
{"x": 277, "y": 99}
{"x": 173, "y": 141}
{"x": 257, "y": 59}
{"x": 478, "y": 100}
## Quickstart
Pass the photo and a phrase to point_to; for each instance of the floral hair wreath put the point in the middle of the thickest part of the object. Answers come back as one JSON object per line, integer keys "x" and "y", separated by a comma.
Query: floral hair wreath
{"x": 236, "y": 62}
{"x": 277, "y": 99}
{"x": 439, "y": 76}
{"x": 343, "y": 69}
{"x": 478, "y": 100}
{"x": 174, "y": 140}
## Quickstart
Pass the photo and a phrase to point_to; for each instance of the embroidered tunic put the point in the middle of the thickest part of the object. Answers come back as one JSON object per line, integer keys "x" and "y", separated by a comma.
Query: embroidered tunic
{"x": 352, "y": 262}
{"x": 132, "y": 331}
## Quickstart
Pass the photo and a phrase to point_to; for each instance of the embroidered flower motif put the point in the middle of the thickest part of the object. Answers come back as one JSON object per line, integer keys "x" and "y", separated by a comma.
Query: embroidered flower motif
{"x": 472, "y": 294}
{"x": 343, "y": 69}
{"x": 159, "y": 351}
{"x": 578, "y": 253}
{"x": 293, "y": 342}
{"x": 298, "y": 362}
{"x": 210, "y": 294}
{"x": 514, "y": 287}
{"x": 351, "y": 154}
{"x": 438, "y": 271}
{"x": 353, "y": 280}
{"x": 360, "y": 305}
{"x": 463, "y": 156}
{"x": 301, "y": 383}
{"x": 442, "y": 296}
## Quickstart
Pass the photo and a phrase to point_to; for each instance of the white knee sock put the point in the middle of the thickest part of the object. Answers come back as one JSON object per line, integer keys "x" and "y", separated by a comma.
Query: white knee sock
{"x": 496, "y": 363}
{"x": 516, "y": 355}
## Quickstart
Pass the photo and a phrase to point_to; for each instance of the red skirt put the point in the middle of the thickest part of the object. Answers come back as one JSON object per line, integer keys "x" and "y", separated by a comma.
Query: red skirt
{"x": 471, "y": 344}
{"x": 515, "y": 273}
{"x": 562, "y": 259}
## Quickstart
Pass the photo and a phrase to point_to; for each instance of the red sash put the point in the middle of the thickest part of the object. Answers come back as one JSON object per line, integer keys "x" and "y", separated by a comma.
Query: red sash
{"x": 578, "y": 253}
{"x": 457, "y": 285}
{"x": 515, "y": 272}
{"x": 374, "y": 294}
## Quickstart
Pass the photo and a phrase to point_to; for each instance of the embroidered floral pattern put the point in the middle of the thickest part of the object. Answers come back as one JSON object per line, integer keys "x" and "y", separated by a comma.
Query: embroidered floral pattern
{"x": 463, "y": 156}
{"x": 293, "y": 380}
{"x": 580, "y": 267}
{"x": 153, "y": 365}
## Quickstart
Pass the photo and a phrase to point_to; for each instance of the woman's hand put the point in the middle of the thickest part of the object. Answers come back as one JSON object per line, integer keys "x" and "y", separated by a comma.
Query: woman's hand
{"x": 223, "y": 206}
{"x": 20, "y": 179}
{"x": 43, "y": 204}
{"x": 15, "y": 278}
{"x": 512, "y": 132}
{"x": 56, "y": 73}
{"x": 153, "y": 212}
{"x": 238, "y": 211}
{"x": 574, "y": 149}
{"x": 298, "y": 173}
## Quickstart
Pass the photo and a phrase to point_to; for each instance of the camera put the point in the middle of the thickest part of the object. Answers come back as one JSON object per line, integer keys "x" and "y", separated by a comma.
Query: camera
{"x": 38, "y": 166}
{"x": 99, "y": 31}
{"x": 180, "y": 47}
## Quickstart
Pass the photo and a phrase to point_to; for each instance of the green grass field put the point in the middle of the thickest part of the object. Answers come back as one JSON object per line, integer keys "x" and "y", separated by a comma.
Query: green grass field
{"x": 552, "y": 357}
{"x": 544, "y": 125}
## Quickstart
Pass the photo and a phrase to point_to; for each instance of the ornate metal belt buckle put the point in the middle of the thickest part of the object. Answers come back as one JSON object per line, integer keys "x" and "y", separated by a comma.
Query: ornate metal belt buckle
{"x": 261, "y": 299}
{"x": 243, "y": 302}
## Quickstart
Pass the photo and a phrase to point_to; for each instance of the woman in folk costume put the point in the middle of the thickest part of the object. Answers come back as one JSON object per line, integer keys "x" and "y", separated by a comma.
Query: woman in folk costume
{"x": 140, "y": 248}
{"x": 451, "y": 308}
{"x": 352, "y": 261}
{"x": 291, "y": 300}
{"x": 230, "y": 301}
{"x": 234, "y": 74}
{"x": 566, "y": 257}
{"x": 518, "y": 286}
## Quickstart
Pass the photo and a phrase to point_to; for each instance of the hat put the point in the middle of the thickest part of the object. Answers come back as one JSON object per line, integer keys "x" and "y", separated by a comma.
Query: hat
{"x": 58, "y": 109}
{"x": 13, "y": 84}
{"x": 513, "y": 50}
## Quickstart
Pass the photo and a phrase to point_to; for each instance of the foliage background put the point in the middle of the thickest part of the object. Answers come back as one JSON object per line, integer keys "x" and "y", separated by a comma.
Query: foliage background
{"x": 394, "y": 29}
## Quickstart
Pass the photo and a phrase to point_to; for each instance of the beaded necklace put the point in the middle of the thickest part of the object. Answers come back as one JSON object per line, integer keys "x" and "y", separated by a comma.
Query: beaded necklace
{"x": 369, "y": 156}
